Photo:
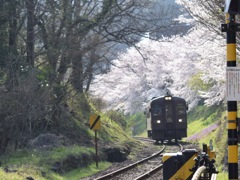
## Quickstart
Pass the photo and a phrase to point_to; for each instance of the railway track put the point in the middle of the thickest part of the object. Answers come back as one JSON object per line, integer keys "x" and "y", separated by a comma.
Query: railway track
{"x": 124, "y": 173}
{"x": 141, "y": 169}
{"x": 151, "y": 167}
{"x": 156, "y": 173}
{"x": 144, "y": 139}
{"x": 153, "y": 141}
{"x": 150, "y": 173}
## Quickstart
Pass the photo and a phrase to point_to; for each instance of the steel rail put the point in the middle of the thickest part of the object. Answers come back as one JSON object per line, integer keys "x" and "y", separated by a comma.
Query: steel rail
{"x": 150, "y": 173}
{"x": 181, "y": 147}
{"x": 119, "y": 171}
{"x": 154, "y": 170}
{"x": 143, "y": 139}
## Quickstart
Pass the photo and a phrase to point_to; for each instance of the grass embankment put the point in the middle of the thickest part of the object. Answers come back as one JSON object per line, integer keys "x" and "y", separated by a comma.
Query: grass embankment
{"x": 201, "y": 117}
{"x": 37, "y": 164}
{"x": 136, "y": 124}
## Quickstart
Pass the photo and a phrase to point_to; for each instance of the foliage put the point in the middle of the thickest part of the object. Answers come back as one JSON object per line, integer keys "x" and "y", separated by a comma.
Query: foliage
{"x": 110, "y": 132}
{"x": 192, "y": 52}
{"x": 219, "y": 139}
{"x": 197, "y": 84}
{"x": 43, "y": 158}
{"x": 7, "y": 176}
{"x": 85, "y": 172}
{"x": 49, "y": 54}
{"x": 210, "y": 14}
{"x": 205, "y": 113}
{"x": 38, "y": 164}
{"x": 118, "y": 117}
{"x": 138, "y": 122}
{"x": 25, "y": 111}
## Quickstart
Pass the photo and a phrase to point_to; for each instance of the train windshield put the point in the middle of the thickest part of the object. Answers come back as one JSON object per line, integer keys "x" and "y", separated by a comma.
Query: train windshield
{"x": 169, "y": 113}
{"x": 181, "y": 109}
{"x": 156, "y": 110}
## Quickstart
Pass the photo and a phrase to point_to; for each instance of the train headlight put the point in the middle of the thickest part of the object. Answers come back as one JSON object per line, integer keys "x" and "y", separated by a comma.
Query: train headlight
{"x": 180, "y": 120}
{"x": 158, "y": 121}
{"x": 168, "y": 98}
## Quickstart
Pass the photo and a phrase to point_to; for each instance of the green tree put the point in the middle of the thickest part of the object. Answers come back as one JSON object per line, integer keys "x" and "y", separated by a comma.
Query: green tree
{"x": 50, "y": 51}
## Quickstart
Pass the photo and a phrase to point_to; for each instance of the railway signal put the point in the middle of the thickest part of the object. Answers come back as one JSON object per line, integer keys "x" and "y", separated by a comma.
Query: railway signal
{"x": 231, "y": 27}
{"x": 95, "y": 122}
{"x": 95, "y": 125}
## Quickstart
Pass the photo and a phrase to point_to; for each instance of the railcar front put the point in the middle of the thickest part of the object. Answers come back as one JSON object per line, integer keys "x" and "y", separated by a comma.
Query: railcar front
{"x": 167, "y": 118}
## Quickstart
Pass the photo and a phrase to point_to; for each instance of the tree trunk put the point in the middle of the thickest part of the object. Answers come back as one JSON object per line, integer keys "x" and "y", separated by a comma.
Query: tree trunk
{"x": 77, "y": 73}
{"x": 12, "y": 63}
{"x": 30, "y": 32}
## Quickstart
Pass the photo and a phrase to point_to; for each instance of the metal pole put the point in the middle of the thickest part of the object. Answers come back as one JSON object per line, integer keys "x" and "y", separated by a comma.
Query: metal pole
{"x": 96, "y": 148}
{"x": 232, "y": 105}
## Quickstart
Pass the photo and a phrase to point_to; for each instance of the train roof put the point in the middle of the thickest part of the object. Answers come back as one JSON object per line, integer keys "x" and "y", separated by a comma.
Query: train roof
{"x": 161, "y": 98}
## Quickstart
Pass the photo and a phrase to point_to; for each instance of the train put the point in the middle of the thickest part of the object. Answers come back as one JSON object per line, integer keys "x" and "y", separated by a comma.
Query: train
{"x": 167, "y": 118}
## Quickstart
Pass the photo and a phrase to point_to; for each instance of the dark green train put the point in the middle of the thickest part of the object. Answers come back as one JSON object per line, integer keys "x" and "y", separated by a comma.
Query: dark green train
{"x": 167, "y": 118}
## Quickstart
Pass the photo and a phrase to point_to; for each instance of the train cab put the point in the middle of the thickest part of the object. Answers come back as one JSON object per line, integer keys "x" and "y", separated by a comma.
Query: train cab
{"x": 167, "y": 118}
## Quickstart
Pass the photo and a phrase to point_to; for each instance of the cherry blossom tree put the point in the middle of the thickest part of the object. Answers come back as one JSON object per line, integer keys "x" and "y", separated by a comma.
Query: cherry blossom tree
{"x": 170, "y": 64}
{"x": 191, "y": 66}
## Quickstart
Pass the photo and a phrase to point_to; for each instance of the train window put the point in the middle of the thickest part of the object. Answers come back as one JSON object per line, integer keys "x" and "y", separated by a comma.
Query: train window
{"x": 156, "y": 110}
{"x": 168, "y": 111}
{"x": 181, "y": 109}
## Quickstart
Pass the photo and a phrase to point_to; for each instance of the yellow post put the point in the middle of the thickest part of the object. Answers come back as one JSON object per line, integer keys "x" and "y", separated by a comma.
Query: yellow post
{"x": 232, "y": 105}
{"x": 232, "y": 8}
